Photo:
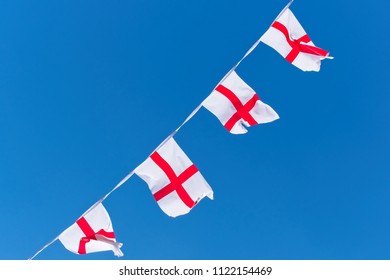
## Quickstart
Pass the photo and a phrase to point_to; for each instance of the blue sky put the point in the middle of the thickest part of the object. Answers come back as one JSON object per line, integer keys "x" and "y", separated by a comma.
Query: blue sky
{"x": 89, "y": 89}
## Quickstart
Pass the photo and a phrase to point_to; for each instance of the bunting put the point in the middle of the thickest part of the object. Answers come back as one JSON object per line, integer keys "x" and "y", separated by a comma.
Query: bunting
{"x": 174, "y": 181}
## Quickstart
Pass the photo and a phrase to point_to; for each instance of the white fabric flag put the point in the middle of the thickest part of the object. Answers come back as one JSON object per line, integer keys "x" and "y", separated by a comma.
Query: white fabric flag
{"x": 173, "y": 179}
{"x": 289, "y": 39}
{"x": 236, "y": 104}
{"x": 91, "y": 233}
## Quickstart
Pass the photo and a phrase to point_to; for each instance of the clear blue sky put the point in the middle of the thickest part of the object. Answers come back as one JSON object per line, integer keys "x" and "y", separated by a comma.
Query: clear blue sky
{"x": 88, "y": 89}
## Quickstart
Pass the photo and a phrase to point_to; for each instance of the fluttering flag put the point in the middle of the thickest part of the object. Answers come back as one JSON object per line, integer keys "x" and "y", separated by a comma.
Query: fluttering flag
{"x": 288, "y": 38}
{"x": 236, "y": 104}
{"x": 91, "y": 233}
{"x": 173, "y": 179}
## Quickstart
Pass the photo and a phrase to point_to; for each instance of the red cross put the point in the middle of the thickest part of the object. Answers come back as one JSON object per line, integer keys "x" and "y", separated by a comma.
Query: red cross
{"x": 90, "y": 234}
{"x": 175, "y": 181}
{"x": 242, "y": 109}
{"x": 296, "y": 45}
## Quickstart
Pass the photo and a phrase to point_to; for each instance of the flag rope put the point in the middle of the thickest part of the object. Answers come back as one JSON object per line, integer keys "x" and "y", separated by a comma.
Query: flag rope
{"x": 190, "y": 116}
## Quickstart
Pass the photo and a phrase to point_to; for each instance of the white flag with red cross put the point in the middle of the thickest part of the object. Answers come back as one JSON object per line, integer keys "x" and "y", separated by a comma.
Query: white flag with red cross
{"x": 289, "y": 39}
{"x": 237, "y": 105}
{"x": 93, "y": 232}
{"x": 175, "y": 182}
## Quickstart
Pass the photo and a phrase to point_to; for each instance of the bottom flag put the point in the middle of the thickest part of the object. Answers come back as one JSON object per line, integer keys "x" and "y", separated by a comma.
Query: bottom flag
{"x": 93, "y": 232}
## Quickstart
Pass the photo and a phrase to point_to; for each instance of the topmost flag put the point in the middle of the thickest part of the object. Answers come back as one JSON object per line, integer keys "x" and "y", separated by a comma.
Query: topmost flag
{"x": 287, "y": 37}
